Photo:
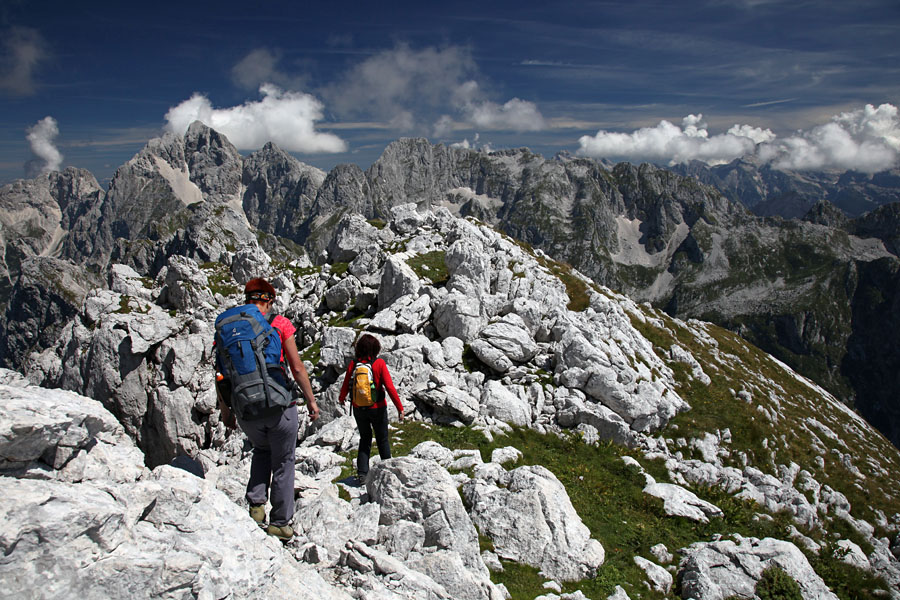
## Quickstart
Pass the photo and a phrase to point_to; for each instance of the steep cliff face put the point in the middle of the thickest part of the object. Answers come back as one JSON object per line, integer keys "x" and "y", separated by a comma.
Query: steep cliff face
{"x": 47, "y": 216}
{"x": 279, "y": 191}
{"x": 870, "y": 363}
{"x": 47, "y": 295}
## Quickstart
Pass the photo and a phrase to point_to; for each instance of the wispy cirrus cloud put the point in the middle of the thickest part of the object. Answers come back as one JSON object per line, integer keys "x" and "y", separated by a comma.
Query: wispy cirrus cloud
{"x": 436, "y": 89}
{"x": 261, "y": 66}
{"x": 23, "y": 51}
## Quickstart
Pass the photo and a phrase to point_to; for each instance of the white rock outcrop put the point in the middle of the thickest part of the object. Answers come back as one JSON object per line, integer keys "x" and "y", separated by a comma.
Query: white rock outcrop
{"x": 530, "y": 519}
{"x": 719, "y": 570}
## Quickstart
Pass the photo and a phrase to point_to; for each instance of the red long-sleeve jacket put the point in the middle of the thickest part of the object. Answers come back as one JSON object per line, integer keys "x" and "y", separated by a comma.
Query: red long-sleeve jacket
{"x": 383, "y": 383}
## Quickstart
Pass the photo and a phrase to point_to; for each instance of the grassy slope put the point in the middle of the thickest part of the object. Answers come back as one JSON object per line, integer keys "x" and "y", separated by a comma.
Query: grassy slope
{"x": 607, "y": 494}
{"x": 769, "y": 431}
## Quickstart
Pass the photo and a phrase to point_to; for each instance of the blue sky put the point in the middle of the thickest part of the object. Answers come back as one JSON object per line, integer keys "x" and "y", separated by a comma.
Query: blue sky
{"x": 806, "y": 85}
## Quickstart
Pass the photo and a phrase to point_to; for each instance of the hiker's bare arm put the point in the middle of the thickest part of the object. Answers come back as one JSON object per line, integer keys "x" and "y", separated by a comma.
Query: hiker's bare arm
{"x": 300, "y": 376}
{"x": 227, "y": 415}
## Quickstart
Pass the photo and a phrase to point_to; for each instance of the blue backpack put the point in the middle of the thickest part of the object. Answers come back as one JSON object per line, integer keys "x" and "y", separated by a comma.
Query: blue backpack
{"x": 248, "y": 355}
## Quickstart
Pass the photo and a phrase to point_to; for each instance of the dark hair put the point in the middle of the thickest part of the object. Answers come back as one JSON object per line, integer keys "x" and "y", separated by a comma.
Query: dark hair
{"x": 259, "y": 290}
{"x": 367, "y": 347}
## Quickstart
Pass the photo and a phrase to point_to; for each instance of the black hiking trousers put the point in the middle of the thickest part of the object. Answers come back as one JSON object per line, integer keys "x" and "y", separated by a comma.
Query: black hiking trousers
{"x": 369, "y": 420}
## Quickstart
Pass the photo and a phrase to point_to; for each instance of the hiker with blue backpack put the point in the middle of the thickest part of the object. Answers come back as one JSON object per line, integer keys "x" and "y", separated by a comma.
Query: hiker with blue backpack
{"x": 252, "y": 347}
{"x": 366, "y": 381}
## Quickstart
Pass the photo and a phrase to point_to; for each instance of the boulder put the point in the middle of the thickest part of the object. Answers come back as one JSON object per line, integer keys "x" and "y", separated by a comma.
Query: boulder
{"x": 450, "y": 401}
{"x": 502, "y": 404}
{"x": 531, "y": 520}
{"x": 459, "y": 316}
{"x": 186, "y": 285}
{"x": 405, "y": 219}
{"x": 397, "y": 279}
{"x": 341, "y": 296}
{"x": 658, "y": 579}
{"x": 56, "y": 434}
{"x": 423, "y": 492}
{"x": 121, "y": 532}
{"x": 510, "y": 336}
{"x": 367, "y": 265}
{"x": 330, "y": 522}
{"x": 352, "y": 236}
{"x": 680, "y": 502}
{"x": 726, "y": 568}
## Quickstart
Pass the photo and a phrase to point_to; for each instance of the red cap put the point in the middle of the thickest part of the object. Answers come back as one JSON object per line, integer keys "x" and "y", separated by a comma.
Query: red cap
{"x": 259, "y": 289}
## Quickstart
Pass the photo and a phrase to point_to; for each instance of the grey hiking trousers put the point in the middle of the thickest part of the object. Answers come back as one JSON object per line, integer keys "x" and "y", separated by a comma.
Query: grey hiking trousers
{"x": 274, "y": 440}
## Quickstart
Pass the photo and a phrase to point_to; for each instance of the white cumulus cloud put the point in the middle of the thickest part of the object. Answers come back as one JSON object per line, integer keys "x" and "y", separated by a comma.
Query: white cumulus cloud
{"x": 516, "y": 114}
{"x": 865, "y": 140}
{"x": 287, "y": 119}
{"x": 673, "y": 144}
{"x": 42, "y": 138}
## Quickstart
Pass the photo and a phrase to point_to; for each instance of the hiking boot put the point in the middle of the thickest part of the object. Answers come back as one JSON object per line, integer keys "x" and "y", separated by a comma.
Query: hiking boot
{"x": 361, "y": 479}
{"x": 258, "y": 513}
{"x": 283, "y": 532}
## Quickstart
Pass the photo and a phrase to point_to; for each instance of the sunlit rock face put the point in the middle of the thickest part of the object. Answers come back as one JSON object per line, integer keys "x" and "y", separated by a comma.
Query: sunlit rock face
{"x": 479, "y": 332}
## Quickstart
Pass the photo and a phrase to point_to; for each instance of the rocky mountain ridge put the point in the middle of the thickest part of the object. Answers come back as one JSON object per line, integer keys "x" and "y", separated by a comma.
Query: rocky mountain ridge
{"x": 481, "y": 333}
{"x": 818, "y": 293}
{"x": 770, "y": 192}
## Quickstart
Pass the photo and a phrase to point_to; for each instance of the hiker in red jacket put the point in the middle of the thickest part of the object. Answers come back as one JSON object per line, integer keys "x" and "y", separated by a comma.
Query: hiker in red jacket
{"x": 374, "y": 417}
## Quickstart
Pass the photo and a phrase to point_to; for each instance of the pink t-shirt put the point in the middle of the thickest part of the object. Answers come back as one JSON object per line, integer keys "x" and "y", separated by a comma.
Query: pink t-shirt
{"x": 286, "y": 330}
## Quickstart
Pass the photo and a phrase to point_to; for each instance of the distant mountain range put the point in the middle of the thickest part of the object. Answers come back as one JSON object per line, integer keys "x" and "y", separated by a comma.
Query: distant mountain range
{"x": 820, "y": 293}
{"x": 769, "y": 192}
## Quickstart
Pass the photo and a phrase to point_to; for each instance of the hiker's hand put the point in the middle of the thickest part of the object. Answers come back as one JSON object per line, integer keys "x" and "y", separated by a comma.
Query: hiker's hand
{"x": 400, "y": 415}
{"x": 313, "y": 410}
{"x": 229, "y": 419}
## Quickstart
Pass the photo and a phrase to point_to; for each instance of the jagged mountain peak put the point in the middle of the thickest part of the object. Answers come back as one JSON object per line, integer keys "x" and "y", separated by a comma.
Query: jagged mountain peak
{"x": 640, "y": 229}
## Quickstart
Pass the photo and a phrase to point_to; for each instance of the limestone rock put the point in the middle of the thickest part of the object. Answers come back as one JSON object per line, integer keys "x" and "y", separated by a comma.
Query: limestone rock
{"x": 680, "y": 502}
{"x": 352, "y": 236}
{"x": 659, "y": 579}
{"x": 186, "y": 285}
{"x": 502, "y": 404}
{"x": 459, "y": 316}
{"x": 419, "y": 491}
{"x": 397, "y": 280}
{"x": 719, "y": 570}
{"x": 532, "y": 520}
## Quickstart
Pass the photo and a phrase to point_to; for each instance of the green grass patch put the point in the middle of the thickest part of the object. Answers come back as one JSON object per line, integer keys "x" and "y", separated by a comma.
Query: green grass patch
{"x": 348, "y": 319}
{"x": 220, "y": 279}
{"x": 312, "y": 353}
{"x": 847, "y": 582}
{"x": 576, "y": 288}
{"x": 520, "y": 580}
{"x": 125, "y": 307}
{"x": 431, "y": 266}
{"x": 608, "y": 496}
